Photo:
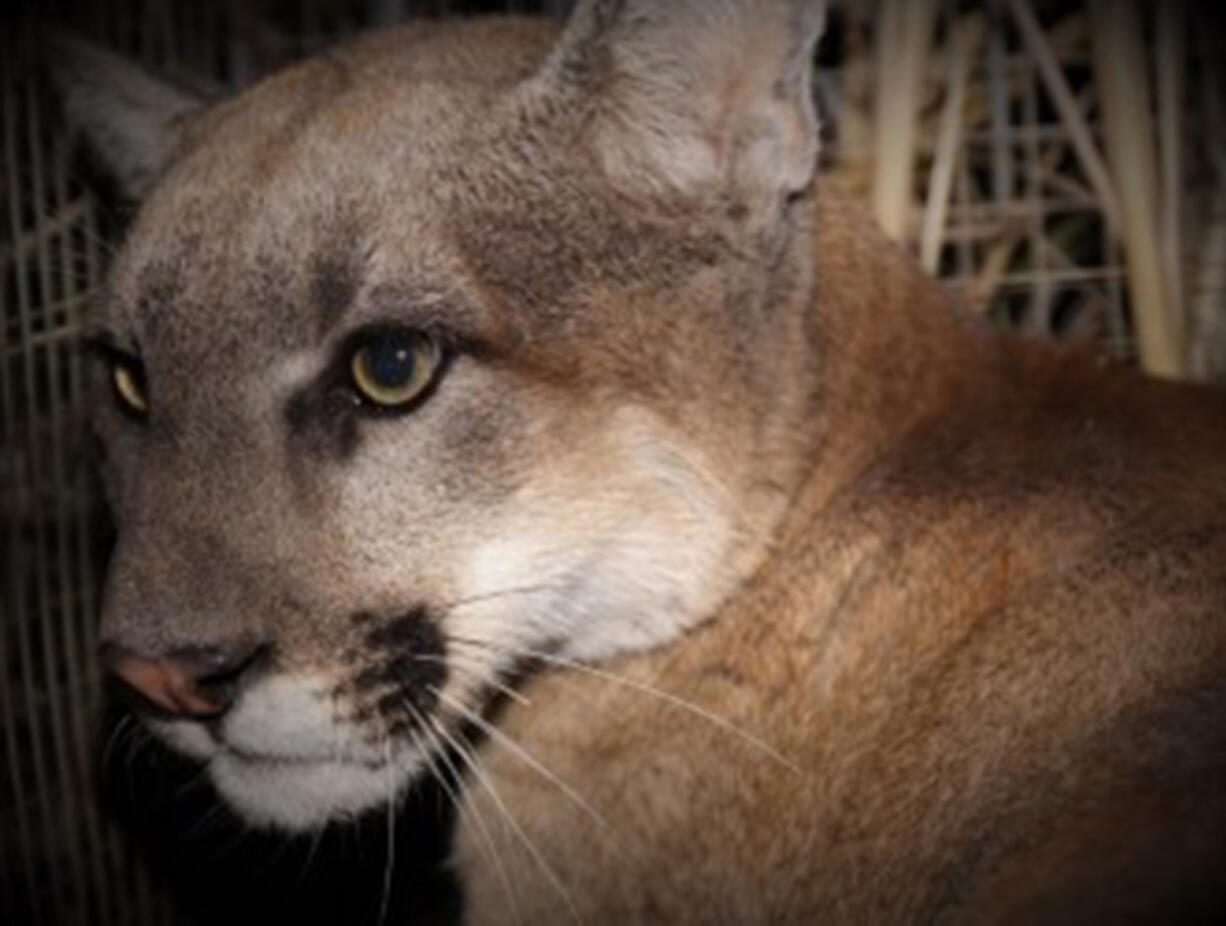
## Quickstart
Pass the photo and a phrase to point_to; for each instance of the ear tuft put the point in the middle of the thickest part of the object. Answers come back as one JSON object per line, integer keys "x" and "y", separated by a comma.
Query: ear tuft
{"x": 697, "y": 95}
{"x": 131, "y": 120}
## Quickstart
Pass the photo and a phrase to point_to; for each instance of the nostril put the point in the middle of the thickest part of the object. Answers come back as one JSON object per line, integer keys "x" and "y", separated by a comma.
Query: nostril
{"x": 221, "y": 670}
{"x": 192, "y": 681}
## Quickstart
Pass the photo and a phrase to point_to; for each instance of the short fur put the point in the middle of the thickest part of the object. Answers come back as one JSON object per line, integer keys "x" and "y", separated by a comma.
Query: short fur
{"x": 826, "y": 602}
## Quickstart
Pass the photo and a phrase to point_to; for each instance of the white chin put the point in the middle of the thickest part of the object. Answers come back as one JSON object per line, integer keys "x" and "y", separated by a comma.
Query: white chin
{"x": 298, "y": 795}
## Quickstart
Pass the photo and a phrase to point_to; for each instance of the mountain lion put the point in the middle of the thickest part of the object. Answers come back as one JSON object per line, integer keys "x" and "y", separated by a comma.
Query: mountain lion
{"x": 497, "y": 402}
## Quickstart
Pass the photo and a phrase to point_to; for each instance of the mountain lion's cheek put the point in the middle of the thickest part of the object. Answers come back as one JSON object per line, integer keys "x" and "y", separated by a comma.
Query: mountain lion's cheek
{"x": 394, "y": 517}
{"x": 611, "y": 550}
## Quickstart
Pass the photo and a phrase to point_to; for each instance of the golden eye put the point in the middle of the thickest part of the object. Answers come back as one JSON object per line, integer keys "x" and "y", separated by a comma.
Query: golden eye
{"x": 393, "y": 368}
{"x": 130, "y": 387}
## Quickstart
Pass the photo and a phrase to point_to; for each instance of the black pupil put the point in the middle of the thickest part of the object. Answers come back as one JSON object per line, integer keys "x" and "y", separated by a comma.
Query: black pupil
{"x": 391, "y": 362}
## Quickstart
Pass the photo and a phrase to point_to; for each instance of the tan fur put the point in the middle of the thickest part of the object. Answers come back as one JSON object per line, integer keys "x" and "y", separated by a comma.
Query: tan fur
{"x": 828, "y": 603}
{"x": 983, "y": 665}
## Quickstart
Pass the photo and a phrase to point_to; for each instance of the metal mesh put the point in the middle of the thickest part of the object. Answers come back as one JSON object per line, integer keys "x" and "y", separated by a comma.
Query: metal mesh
{"x": 60, "y": 861}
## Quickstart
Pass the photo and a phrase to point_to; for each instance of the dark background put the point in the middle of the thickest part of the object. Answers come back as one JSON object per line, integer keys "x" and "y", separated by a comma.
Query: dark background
{"x": 98, "y": 823}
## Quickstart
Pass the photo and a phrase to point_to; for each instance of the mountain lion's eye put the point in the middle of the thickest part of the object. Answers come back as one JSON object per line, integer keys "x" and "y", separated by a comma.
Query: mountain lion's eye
{"x": 393, "y": 368}
{"x": 129, "y": 381}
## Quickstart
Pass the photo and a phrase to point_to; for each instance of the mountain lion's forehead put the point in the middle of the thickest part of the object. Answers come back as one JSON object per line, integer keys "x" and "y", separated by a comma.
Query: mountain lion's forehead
{"x": 384, "y": 98}
{"x": 284, "y": 193}
{"x": 286, "y": 255}
{"x": 171, "y": 301}
{"x": 276, "y": 167}
{"x": 379, "y": 125}
{"x": 300, "y": 286}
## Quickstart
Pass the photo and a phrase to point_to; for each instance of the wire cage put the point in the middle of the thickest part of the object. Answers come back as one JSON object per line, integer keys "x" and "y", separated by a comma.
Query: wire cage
{"x": 1056, "y": 193}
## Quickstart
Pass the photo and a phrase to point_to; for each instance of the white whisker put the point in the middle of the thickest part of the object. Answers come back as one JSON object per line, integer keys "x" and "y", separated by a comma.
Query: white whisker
{"x": 469, "y": 759}
{"x": 477, "y": 674}
{"x": 391, "y": 833}
{"x": 669, "y": 698}
{"x": 434, "y": 749}
{"x": 502, "y": 593}
{"x": 316, "y": 839}
{"x": 125, "y": 729}
{"x": 524, "y": 756}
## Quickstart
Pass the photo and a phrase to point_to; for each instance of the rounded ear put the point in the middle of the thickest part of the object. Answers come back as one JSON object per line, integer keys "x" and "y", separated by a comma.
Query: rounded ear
{"x": 131, "y": 120}
{"x": 696, "y": 95}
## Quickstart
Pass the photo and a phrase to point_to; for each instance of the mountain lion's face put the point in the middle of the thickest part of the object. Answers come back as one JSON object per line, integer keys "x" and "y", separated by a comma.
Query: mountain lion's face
{"x": 403, "y": 393}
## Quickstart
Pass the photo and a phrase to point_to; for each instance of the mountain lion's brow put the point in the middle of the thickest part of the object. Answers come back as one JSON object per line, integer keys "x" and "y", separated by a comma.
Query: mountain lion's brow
{"x": 419, "y": 305}
{"x": 334, "y": 283}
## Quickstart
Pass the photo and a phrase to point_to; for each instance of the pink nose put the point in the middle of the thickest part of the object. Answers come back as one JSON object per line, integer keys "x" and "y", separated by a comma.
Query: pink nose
{"x": 192, "y": 682}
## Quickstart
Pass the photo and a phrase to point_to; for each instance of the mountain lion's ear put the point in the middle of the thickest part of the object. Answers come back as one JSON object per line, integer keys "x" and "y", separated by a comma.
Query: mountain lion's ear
{"x": 697, "y": 95}
{"x": 131, "y": 120}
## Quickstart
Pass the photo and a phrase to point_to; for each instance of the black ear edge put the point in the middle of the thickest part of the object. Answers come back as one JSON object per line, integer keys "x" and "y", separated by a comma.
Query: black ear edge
{"x": 130, "y": 120}
{"x": 63, "y": 48}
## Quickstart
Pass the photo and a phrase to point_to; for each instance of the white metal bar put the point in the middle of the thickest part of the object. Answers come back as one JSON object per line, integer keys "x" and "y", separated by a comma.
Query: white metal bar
{"x": 940, "y": 180}
{"x": 1066, "y": 104}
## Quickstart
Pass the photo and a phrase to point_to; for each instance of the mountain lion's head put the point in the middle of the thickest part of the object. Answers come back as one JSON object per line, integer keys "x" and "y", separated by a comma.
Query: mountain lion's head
{"x": 459, "y": 347}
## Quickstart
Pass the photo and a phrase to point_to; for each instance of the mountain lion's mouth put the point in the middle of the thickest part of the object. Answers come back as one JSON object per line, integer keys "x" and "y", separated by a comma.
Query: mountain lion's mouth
{"x": 300, "y": 793}
{"x": 254, "y": 757}
{"x": 282, "y": 756}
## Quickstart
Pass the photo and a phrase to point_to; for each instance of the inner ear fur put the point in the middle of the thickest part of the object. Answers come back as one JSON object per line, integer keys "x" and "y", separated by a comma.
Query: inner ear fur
{"x": 131, "y": 120}
{"x": 696, "y": 96}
